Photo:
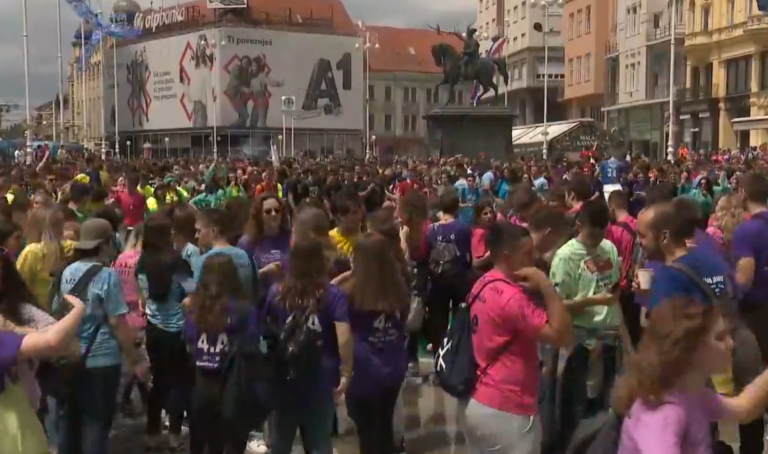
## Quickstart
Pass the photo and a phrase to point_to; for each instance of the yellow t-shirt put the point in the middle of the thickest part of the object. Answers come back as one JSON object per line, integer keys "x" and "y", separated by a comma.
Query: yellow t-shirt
{"x": 31, "y": 266}
{"x": 344, "y": 245}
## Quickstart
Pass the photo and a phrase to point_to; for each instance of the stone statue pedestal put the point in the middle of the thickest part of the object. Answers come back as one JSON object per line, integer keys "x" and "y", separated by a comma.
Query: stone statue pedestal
{"x": 470, "y": 130}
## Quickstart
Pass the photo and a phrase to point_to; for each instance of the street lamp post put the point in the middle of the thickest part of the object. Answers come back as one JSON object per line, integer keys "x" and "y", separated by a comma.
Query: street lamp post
{"x": 61, "y": 72}
{"x": 167, "y": 150}
{"x": 128, "y": 145}
{"x": 546, "y": 5}
{"x": 671, "y": 139}
{"x": 101, "y": 80}
{"x": 216, "y": 53}
{"x": 370, "y": 39}
{"x": 30, "y": 152}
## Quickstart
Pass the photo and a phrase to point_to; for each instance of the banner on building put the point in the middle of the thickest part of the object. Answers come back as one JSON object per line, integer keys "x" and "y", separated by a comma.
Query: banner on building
{"x": 227, "y": 3}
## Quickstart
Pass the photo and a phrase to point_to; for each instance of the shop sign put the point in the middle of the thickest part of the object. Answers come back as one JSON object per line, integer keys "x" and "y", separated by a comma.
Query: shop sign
{"x": 151, "y": 20}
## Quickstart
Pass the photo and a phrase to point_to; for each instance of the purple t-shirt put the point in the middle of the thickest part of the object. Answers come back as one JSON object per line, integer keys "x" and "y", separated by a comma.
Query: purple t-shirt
{"x": 334, "y": 308}
{"x": 749, "y": 242}
{"x": 210, "y": 349}
{"x": 455, "y": 232}
{"x": 10, "y": 343}
{"x": 380, "y": 359}
{"x": 268, "y": 249}
{"x": 680, "y": 426}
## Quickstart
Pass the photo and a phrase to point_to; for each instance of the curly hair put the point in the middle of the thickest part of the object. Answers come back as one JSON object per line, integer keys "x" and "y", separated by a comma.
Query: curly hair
{"x": 729, "y": 213}
{"x": 675, "y": 330}
{"x": 254, "y": 228}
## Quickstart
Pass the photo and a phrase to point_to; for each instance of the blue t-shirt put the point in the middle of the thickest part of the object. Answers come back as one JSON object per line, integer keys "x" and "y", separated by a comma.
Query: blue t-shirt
{"x": 670, "y": 282}
{"x": 245, "y": 268}
{"x": 190, "y": 253}
{"x": 167, "y": 314}
{"x": 105, "y": 299}
{"x": 611, "y": 171}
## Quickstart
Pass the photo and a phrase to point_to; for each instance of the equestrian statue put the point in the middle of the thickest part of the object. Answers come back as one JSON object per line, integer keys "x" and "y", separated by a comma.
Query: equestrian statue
{"x": 468, "y": 66}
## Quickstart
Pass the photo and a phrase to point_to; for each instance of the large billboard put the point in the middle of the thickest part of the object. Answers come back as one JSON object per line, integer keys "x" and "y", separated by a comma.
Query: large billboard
{"x": 174, "y": 82}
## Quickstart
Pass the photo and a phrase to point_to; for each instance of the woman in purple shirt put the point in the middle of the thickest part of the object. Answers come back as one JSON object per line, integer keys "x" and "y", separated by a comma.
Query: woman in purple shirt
{"x": 312, "y": 317}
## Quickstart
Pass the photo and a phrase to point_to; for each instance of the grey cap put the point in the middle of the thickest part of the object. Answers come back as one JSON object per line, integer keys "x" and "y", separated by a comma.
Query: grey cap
{"x": 93, "y": 232}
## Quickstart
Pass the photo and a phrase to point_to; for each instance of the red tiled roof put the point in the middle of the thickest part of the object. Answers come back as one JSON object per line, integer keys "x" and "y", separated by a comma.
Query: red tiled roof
{"x": 407, "y": 49}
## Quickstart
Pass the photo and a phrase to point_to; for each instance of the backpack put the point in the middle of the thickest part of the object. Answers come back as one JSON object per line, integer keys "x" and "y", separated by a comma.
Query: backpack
{"x": 599, "y": 434}
{"x": 58, "y": 379}
{"x": 301, "y": 341}
{"x": 455, "y": 365}
{"x": 444, "y": 259}
{"x": 248, "y": 377}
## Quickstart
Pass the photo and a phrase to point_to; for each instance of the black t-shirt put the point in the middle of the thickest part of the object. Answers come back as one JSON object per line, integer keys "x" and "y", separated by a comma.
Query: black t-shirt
{"x": 298, "y": 188}
{"x": 331, "y": 189}
{"x": 376, "y": 196}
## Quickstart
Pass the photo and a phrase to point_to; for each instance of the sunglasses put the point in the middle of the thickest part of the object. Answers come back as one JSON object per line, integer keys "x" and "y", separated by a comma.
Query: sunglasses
{"x": 272, "y": 211}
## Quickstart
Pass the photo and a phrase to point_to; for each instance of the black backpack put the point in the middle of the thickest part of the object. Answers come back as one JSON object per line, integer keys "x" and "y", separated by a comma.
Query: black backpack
{"x": 57, "y": 379}
{"x": 599, "y": 434}
{"x": 248, "y": 378}
{"x": 455, "y": 365}
{"x": 301, "y": 342}
{"x": 444, "y": 259}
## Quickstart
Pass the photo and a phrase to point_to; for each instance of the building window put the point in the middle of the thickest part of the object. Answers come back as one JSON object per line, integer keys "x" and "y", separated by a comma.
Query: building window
{"x": 387, "y": 94}
{"x": 578, "y": 70}
{"x": 626, "y": 78}
{"x": 764, "y": 71}
{"x": 388, "y": 122}
{"x": 493, "y": 26}
{"x": 738, "y": 73}
{"x": 514, "y": 14}
{"x": 429, "y": 95}
{"x": 692, "y": 16}
{"x": 729, "y": 12}
{"x": 524, "y": 70}
{"x": 578, "y": 22}
{"x": 371, "y": 92}
{"x": 570, "y": 26}
{"x": 372, "y": 122}
{"x": 523, "y": 9}
{"x": 514, "y": 43}
{"x": 514, "y": 73}
{"x": 587, "y": 67}
{"x": 522, "y": 40}
{"x": 705, "y": 18}
{"x": 570, "y": 71}
{"x": 588, "y": 20}
{"x": 414, "y": 95}
{"x": 406, "y": 95}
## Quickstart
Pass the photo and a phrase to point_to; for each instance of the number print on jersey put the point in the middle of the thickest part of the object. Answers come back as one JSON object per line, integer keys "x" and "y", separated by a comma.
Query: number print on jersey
{"x": 611, "y": 172}
{"x": 222, "y": 343}
{"x": 313, "y": 322}
{"x": 382, "y": 322}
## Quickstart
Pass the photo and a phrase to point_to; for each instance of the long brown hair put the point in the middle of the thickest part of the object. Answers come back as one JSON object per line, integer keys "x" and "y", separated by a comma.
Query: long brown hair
{"x": 254, "y": 229}
{"x": 377, "y": 278}
{"x": 675, "y": 330}
{"x": 306, "y": 277}
{"x": 413, "y": 212}
{"x": 219, "y": 285}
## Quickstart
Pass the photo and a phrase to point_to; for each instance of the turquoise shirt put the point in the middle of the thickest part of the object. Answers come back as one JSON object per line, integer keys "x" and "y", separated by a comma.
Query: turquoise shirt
{"x": 190, "y": 253}
{"x": 166, "y": 315}
{"x": 105, "y": 299}
{"x": 245, "y": 268}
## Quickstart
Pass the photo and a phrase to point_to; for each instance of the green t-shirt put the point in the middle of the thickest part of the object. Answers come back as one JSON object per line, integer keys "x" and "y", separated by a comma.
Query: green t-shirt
{"x": 577, "y": 274}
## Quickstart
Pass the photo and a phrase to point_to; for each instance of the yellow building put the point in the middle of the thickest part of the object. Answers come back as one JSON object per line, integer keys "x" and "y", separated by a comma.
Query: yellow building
{"x": 725, "y": 103}
{"x": 85, "y": 90}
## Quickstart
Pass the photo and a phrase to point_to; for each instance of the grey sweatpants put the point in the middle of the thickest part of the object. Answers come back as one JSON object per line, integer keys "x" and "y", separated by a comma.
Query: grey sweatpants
{"x": 488, "y": 430}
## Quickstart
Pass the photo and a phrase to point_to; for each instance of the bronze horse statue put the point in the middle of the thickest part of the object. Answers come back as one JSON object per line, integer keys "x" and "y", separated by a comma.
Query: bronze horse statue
{"x": 482, "y": 71}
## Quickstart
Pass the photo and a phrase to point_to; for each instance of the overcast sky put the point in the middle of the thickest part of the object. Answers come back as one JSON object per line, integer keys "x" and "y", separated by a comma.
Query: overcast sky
{"x": 43, "y": 44}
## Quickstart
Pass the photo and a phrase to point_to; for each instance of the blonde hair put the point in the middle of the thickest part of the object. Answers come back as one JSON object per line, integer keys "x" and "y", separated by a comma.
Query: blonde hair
{"x": 729, "y": 213}
{"x": 46, "y": 226}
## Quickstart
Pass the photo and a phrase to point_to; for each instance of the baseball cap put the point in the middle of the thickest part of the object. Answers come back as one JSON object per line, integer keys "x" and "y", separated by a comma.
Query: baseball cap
{"x": 93, "y": 232}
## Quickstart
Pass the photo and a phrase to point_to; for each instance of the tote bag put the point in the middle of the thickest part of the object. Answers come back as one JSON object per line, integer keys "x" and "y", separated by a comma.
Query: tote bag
{"x": 20, "y": 430}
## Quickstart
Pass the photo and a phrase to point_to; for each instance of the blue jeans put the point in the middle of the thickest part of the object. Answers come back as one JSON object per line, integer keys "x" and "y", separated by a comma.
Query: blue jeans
{"x": 85, "y": 417}
{"x": 314, "y": 414}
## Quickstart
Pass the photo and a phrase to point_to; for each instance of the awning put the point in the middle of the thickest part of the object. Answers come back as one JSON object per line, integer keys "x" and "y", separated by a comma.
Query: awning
{"x": 562, "y": 136}
{"x": 749, "y": 123}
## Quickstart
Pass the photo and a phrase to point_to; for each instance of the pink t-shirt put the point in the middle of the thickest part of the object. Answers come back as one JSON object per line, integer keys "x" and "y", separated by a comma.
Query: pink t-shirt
{"x": 504, "y": 311}
{"x": 125, "y": 267}
{"x": 625, "y": 243}
{"x": 680, "y": 426}
{"x": 477, "y": 242}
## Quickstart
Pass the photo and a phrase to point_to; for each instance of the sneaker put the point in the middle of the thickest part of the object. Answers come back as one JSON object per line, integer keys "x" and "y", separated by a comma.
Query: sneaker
{"x": 257, "y": 444}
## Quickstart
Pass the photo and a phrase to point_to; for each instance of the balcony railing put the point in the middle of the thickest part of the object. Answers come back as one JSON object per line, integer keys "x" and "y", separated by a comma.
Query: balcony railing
{"x": 664, "y": 32}
{"x": 756, "y": 23}
{"x": 658, "y": 92}
{"x": 701, "y": 92}
{"x": 611, "y": 48}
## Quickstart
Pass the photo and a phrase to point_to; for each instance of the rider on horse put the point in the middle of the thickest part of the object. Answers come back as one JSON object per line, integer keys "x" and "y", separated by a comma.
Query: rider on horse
{"x": 471, "y": 51}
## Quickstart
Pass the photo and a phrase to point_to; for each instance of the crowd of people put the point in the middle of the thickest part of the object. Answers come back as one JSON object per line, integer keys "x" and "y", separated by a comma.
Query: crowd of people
{"x": 609, "y": 304}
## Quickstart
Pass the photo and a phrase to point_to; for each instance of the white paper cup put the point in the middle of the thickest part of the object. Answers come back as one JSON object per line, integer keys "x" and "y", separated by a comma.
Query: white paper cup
{"x": 645, "y": 277}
